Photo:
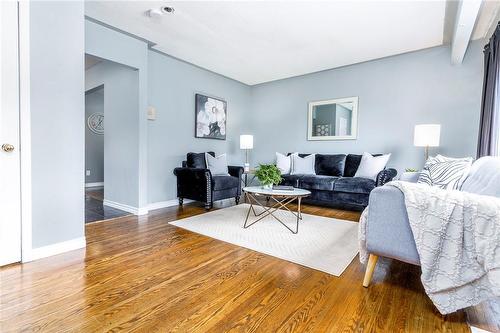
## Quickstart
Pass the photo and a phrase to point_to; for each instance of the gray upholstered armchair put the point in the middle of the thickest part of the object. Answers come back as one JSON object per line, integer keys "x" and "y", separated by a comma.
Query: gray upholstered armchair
{"x": 388, "y": 231}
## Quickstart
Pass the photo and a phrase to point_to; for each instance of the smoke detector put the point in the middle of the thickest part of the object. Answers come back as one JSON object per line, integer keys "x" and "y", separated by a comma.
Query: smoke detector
{"x": 167, "y": 10}
{"x": 158, "y": 12}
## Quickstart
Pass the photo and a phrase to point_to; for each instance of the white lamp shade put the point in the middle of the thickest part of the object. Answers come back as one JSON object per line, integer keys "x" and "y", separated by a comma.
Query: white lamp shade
{"x": 246, "y": 141}
{"x": 427, "y": 135}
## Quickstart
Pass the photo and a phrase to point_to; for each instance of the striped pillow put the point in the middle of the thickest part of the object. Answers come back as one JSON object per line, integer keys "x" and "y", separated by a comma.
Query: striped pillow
{"x": 445, "y": 172}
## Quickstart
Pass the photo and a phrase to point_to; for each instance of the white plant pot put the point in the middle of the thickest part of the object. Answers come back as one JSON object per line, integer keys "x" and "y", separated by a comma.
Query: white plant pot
{"x": 267, "y": 186}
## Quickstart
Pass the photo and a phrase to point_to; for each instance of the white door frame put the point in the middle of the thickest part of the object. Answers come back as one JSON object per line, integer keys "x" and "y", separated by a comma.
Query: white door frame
{"x": 25, "y": 130}
{"x": 10, "y": 196}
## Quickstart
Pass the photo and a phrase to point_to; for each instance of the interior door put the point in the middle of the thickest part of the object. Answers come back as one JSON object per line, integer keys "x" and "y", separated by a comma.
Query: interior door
{"x": 10, "y": 179}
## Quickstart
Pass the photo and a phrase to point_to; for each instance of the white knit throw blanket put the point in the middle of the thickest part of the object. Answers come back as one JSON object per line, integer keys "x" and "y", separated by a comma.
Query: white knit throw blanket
{"x": 457, "y": 235}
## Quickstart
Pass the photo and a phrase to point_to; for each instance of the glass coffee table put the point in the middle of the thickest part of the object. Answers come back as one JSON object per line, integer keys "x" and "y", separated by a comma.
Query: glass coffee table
{"x": 280, "y": 200}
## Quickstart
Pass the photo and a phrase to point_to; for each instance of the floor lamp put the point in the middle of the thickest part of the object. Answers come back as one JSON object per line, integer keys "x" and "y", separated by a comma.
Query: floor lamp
{"x": 427, "y": 135}
{"x": 246, "y": 142}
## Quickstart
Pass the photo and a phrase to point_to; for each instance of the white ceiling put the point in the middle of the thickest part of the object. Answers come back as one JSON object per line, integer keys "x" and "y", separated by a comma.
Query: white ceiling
{"x": 256, "y": 42}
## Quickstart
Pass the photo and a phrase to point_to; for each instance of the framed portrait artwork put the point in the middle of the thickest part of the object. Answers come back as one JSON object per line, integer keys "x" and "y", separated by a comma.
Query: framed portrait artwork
{"x": 211, "y": 115}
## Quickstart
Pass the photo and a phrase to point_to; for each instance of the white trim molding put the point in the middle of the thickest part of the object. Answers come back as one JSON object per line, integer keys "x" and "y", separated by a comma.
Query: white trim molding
{"x": 97, "y": 184}
{"x": 57, "y": 248}
{"x": 465, "y": 21}
{"x": 165, "y": 204}
{"x": 25, "y": 130}
{"x": 126, "y": 208}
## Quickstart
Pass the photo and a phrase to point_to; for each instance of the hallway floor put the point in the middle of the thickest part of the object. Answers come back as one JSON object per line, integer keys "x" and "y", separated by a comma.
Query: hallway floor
{"x": 94, "y": 208}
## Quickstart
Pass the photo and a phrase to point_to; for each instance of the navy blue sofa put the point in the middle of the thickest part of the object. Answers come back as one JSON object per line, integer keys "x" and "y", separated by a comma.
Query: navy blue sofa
{"x": 334, "y": 184}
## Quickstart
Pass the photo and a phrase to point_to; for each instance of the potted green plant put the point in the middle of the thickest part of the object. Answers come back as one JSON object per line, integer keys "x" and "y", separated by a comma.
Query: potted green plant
{"x": 268, "y": 175}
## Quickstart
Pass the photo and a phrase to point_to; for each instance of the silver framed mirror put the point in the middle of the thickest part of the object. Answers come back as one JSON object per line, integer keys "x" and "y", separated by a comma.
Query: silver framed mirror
{"x": 333, "y": 119}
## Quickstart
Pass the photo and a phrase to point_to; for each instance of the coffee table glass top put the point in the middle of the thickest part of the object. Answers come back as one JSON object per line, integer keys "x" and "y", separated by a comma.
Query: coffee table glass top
{"x": 259, "y": 190}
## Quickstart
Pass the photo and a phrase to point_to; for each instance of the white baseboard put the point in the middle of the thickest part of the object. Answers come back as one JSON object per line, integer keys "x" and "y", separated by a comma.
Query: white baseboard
{"x": 98, "y": 184}
{"x": 126, "y": 208}
{"x": 168, "y": 203}
{"x": 57, "y": 248}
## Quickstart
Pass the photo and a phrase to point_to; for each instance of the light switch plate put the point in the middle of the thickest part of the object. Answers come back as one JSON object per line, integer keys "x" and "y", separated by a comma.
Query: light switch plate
{"x": 151, "y": 113}
{"x": 87, "y": 172}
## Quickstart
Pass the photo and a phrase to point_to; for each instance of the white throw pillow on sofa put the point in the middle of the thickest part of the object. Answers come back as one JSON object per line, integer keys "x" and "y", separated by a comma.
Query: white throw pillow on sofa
{"x": 303, "y": 165}
{"x": 445, "y": 172}
{"x": 284, "y": 163}
{"x": 370, "y": 166}
{"x": 217, "y": 165}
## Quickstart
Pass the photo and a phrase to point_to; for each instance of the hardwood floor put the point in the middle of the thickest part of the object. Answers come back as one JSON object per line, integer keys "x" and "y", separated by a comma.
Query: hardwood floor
{"x": 142, "y": 274}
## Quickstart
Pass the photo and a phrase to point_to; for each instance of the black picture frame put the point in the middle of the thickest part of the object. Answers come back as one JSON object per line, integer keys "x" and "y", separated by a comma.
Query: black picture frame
{"x": 210, "y": 124}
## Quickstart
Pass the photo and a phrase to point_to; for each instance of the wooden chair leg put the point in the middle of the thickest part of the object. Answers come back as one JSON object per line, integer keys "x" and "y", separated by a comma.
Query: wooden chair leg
{"x": 370, "y": 268}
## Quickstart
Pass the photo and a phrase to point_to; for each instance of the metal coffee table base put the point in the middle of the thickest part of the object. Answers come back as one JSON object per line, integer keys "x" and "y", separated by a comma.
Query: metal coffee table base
{"x": 282, "y": 203}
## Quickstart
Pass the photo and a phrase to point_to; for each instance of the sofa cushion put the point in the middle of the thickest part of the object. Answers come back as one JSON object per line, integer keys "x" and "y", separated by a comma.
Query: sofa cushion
{"x": 217, "y": 165}
{"x": 371, "y": 166}
{"x": 224, "y": 182}
{"x": 303, "y": 165}
{"x": 284, "y": 163}
{"x": 330, "y": 165}
{"x": 352, "y": 163}
{"x": 445, "y": 172}
{"x": 197, "y": 160}
{"x": 316, "y": 182}
{"x": 484, "y": 177}
{"x": 354, "y": 185}
{"x": 290, "y": 180}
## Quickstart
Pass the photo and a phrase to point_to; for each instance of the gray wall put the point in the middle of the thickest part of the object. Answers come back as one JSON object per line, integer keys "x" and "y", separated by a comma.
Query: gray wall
{"x": 122, "y": 49}
{"x": 394, "y": 94}
{"x": 172, "y": 86}
{"x": 94, "y": 143}
{"x": 121, "y": 135}
{"x": 57, "y": 121}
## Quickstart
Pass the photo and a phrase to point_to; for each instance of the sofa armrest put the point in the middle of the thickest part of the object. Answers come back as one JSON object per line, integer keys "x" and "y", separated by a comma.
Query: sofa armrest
{"x": 385, "y": 176}
{"x": 235, "y": 171}
{"x": 388, "y": 231}
{"x": 194, "y": 183}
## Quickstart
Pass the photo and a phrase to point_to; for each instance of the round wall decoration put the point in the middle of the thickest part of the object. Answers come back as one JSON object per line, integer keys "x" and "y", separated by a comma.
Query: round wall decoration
{"x": 95, "y": 123}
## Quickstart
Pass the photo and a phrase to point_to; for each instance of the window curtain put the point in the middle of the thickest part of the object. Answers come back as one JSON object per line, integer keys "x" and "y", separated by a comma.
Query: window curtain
{"x": 489, "y": 125}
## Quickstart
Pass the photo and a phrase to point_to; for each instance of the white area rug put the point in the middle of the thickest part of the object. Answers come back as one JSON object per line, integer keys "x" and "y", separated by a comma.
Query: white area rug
{"x": 322, "y": 243}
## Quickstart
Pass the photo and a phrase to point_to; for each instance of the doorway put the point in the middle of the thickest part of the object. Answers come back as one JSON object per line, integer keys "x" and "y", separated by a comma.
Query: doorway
{"x": 95, "y": 210}
{"x": 105, "y": 113}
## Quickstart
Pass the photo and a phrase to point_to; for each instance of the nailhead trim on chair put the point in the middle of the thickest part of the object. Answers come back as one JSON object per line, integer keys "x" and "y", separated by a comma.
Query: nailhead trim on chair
{"x": 385, "y": 176}
{"x": 209, "y": 188}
